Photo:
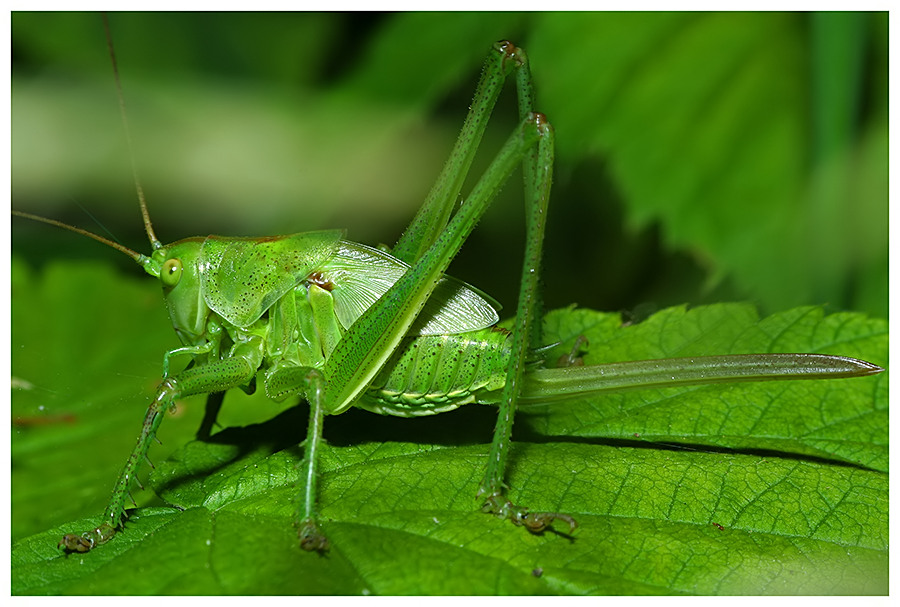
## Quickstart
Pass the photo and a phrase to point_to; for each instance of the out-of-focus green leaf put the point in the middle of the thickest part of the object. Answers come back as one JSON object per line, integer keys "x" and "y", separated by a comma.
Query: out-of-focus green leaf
{"x": 87, "y": 346}
{"x": 78, "y": 391}
{"x": 704, "y": 119}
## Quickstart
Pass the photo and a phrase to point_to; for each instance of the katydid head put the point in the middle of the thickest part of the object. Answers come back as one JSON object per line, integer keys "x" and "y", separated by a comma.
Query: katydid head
{"x": 176, "y": 267}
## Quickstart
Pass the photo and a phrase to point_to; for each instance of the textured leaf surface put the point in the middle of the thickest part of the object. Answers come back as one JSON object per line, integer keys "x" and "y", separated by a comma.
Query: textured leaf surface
{"x": 830, "y": 420}
{"x": 746, "y": 499}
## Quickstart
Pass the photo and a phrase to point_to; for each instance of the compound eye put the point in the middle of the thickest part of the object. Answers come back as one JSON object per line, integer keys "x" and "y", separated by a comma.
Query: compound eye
{"x": 171, "y": 272}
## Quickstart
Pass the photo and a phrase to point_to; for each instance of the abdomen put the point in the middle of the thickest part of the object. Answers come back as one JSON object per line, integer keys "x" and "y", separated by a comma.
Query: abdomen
{"x": 436, "y": 373}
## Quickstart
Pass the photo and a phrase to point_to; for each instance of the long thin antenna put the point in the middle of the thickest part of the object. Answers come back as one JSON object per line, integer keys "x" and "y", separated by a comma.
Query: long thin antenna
{"x": 138, "y": 257}
{"x": 154, "y": 242}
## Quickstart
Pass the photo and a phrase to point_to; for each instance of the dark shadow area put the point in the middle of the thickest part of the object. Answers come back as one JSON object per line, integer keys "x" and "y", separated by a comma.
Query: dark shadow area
{"x": 287, "y": 430}
{"x": 525, "y": 434}
{"x": 464, "y": 426}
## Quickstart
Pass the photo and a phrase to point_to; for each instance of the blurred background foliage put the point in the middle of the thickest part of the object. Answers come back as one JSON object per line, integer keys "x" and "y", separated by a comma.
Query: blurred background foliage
{"x": 700, "y": 156}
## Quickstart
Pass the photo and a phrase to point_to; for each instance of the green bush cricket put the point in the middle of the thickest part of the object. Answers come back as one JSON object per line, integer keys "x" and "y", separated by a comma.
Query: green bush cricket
{"x": 347, "y": 365}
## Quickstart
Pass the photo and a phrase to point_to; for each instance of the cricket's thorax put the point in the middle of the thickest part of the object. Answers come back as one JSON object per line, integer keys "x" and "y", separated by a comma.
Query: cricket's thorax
{"x": 427, "y": 374}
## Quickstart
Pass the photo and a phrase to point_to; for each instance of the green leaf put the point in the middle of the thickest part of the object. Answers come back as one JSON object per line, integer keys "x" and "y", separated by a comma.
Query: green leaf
{"x": 832, "y": 420}
{"x": 704, "y": 121}
{"x": 738, "y": 503}
{"x": 87, "y": 344}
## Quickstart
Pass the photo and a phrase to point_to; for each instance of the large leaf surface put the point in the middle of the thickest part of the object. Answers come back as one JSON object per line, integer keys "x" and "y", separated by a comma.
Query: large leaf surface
{"x": 733, "y": 489}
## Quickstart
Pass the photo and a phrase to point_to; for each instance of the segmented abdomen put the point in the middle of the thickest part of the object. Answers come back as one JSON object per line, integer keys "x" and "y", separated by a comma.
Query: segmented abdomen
{"x": 436, "y": 373}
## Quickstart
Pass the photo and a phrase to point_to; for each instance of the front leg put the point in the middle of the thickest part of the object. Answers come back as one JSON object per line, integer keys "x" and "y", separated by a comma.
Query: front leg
{"x": 218, "y": 376}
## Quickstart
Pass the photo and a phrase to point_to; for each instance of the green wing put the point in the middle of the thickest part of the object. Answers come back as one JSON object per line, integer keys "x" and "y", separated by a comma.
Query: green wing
{"x": 361, "y": 274}
{"x": 240, "y": 278}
